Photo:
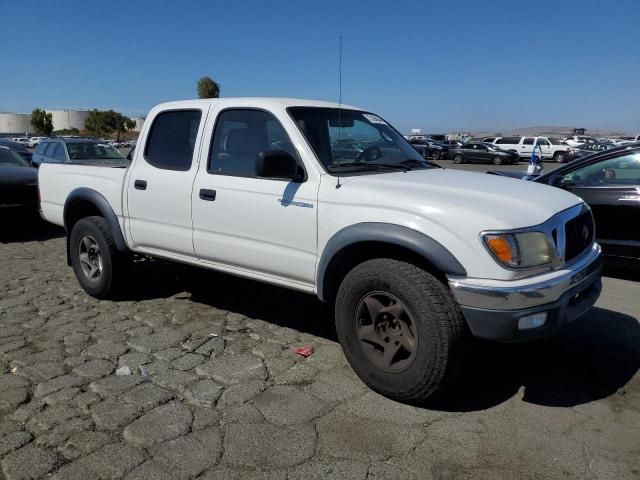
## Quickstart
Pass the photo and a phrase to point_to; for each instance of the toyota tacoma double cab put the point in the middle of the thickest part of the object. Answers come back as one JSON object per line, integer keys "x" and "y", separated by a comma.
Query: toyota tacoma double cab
{"x": 415, "y": 259}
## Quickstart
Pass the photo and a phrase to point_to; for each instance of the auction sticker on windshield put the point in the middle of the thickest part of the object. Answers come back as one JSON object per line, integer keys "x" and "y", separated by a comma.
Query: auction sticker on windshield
{"x": 374, "y": 118}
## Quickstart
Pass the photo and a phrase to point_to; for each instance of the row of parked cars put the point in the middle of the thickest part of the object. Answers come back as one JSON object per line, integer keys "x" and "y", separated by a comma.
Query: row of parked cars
{"x": 33, "y": 142}
{"x": 506, "y": 150}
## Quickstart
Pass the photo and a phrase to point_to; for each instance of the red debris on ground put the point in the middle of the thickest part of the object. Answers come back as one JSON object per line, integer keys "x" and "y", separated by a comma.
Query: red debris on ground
{"x": 304, "y": 351}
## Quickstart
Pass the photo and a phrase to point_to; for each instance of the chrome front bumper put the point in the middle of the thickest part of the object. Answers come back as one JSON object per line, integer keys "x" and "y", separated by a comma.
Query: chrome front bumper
{"x": 493, "y": 308}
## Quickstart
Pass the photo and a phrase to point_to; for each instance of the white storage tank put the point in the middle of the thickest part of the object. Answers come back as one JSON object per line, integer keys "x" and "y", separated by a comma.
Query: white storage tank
{"x": 18, "y": 123}
{"x": 139, "y": 123}
{"x": 67, "y": 119}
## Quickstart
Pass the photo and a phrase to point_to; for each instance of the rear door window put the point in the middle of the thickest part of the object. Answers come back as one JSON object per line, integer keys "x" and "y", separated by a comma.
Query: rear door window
{"x": 172, "y": 139}
{"x": 528, "y": 141}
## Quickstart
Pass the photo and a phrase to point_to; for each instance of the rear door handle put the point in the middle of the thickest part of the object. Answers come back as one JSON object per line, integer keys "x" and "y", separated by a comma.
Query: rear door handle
{"x": 208, "y": 195}
{"x": 140, "y": 184}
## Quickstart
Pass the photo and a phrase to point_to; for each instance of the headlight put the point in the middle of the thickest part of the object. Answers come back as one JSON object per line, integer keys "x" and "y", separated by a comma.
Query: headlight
{"x": 520, "y": 250}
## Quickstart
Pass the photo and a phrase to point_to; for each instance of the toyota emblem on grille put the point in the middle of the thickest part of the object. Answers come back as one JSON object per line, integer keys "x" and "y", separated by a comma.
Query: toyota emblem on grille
{"x": 585, "y": 232}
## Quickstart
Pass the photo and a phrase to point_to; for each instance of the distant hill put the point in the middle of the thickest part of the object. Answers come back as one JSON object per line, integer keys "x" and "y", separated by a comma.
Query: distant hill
{"x": 552, "y": 131}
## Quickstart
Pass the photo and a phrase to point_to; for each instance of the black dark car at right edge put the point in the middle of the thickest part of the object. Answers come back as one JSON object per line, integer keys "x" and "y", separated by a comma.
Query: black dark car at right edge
{"x": 609, "y": 182}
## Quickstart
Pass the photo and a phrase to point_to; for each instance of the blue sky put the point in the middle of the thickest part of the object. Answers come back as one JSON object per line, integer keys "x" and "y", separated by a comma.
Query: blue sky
{"x": 441, "y": 66}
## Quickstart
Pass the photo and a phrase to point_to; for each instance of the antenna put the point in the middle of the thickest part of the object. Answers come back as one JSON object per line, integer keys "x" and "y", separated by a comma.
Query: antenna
{"x": 338, "y": 185}
{"x": 340, "y": 73}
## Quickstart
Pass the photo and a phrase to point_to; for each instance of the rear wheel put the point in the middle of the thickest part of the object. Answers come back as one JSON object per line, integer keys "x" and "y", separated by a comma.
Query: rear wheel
{"x": 94, "y": 257}
{"x": 497, "y": 160}
{"x": 458, "y": 159}
{"x": 558, "y": 157}
{"x": 400, "y": 329}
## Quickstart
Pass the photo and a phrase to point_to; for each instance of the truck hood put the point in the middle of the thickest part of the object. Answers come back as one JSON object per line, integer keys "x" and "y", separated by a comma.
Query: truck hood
{"x": 442, "y": 195}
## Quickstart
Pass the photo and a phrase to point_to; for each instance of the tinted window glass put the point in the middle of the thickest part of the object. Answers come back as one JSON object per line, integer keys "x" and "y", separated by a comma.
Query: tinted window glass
{"x": 41, "y": 148}
{"x": 528, "y": 141}
{"x": 350, "y": 140}
{"x": 508, "y": 141}
{"x": 543, "y": 141}
{"x": 58, "y": 153}
{"x": 618, "y": 172}
{"x": 172, "y": 139}
{"x": 51, "y": 147}
{"x": 7, "y": 157}
{"x": 239, "y": 139}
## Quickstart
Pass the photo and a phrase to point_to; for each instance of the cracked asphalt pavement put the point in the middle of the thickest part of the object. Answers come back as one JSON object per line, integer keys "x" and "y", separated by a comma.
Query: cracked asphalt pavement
{"x": 216, "y": 391}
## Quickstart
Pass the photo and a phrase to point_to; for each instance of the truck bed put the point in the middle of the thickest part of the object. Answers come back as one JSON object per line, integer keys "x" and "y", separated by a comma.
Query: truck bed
{"x": 57, "y": 181}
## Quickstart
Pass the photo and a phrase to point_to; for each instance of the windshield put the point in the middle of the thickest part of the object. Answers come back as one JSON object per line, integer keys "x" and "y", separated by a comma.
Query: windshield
{"x": 7, "y": 157}
{"x": 93, "y": 151}
{"x": 350, "y": 140}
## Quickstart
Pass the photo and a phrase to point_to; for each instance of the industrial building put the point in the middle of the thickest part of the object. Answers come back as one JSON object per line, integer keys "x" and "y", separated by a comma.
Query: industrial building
{"x": 20, "y": 123}
{"x": 67, "y": 119}
{"x": 15, "y": 123}
{"x": 139, "y": 123}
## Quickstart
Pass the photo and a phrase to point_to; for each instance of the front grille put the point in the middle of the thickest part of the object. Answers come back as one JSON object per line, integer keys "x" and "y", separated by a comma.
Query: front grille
{"x": 579, "y": 234}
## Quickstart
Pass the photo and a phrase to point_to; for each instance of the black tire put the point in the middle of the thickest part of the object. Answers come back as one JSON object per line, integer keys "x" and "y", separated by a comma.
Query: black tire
{"x": 458, "y": 159}
{"x": 558, "y": 157}
{"x": 441, "y": 333}
{"x": 435, "y": 155}
{"x": 497, "y": 160}
{"x": 112, "y": 264}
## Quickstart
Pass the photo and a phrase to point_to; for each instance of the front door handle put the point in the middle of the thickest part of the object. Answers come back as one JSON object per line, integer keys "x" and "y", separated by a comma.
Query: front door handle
{"x": 208, "y": 195}
{"x": 140, "y": 184}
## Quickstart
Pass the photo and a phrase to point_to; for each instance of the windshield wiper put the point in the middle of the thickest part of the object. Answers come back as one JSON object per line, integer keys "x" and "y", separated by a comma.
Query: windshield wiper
{"x": 422, "y": 163}
{"x": 373, "y": 166}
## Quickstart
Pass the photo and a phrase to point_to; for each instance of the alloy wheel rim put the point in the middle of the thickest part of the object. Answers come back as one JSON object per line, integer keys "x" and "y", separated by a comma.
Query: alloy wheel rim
{"x": 386, "y": 331}
{"x": 90, "y": 257}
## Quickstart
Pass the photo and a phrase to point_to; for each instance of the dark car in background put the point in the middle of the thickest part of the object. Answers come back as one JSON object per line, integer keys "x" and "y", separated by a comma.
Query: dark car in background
{"x": 479, "y": 152}
{"x": 586, "y": 149}
{"x": 76, "y": 150}
{"x": 18, "y": 181}
{"x": 430, "y": 148}
{"x": 19, "y": 148}
{"x": 452, "y": 143}
{"x": 609, "y": 182}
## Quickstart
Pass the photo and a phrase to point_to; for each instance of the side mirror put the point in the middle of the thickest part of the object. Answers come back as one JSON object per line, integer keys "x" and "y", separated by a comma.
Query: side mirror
{"x": 278, "y": 164}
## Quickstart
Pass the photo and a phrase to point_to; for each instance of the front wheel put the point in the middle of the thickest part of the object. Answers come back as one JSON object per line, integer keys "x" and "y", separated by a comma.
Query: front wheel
{"x": 400, "y": 328}
{"x": 458, "y": 159}
{"x": 497, "y": 160}
{"x": 94, "y": 257}
{"x": 435, "y": 155}
{"x": 558, "y": 157}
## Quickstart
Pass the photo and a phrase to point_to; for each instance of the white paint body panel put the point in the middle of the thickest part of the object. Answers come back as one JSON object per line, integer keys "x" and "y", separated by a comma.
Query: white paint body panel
{"x": 249, "y": 232}
{"x": 56, "y": 181}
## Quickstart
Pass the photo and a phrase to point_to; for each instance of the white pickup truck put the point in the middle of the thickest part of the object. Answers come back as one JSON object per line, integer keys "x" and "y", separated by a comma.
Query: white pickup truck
{"x": 416, "y": 259}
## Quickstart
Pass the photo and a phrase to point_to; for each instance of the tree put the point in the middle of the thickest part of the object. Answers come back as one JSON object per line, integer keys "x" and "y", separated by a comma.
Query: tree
{"x": 208, "y": 88}
{"x": 42, "y": 122}
{"x": 107, "y": 122}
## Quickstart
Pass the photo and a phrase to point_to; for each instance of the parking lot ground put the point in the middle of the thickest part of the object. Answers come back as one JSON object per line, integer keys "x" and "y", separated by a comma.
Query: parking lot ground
{"x": 216, "y": 392}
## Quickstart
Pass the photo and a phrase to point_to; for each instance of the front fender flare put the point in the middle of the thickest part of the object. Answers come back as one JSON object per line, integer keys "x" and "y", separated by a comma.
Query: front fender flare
{"x": 405, "y": 237}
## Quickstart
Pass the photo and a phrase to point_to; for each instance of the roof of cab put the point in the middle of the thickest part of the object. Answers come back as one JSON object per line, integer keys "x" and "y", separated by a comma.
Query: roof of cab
{"x": 265, "y": 102}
